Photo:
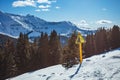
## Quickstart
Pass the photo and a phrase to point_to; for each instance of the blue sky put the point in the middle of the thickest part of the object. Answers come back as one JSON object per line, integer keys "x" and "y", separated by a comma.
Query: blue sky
{"x": 85, "y": 13}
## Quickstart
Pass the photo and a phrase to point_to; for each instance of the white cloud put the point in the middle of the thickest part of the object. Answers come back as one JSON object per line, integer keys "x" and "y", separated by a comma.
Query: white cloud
{"x": 57, "y": 7}
{"x": 24, "y": 3}
{"x": 44, "y": 7}
{"x": 37, "y": 10}
{"x": 104, "y": 9}
{"x": 104, "y": 22}
{"x": 44, "y": 1}
{"x": 40, "y": 5}
{"x": 83, "y": 23}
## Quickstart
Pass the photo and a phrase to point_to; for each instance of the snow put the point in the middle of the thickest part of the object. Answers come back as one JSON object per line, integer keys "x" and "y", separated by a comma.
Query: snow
{"x": 14, "y": 24}
{"x": 10, "y": 26}
{"x": 17, "y": 19}
{"x": 9, "y": 35}
{"x": 99, "y": 67}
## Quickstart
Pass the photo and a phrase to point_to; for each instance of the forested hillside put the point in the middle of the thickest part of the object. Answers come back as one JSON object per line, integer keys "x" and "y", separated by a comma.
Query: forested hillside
{"x": 25, "y": 56}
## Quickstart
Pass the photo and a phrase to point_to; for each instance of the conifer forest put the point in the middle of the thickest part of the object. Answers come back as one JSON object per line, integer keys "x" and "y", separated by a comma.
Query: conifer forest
{"x": 23, "y": 55}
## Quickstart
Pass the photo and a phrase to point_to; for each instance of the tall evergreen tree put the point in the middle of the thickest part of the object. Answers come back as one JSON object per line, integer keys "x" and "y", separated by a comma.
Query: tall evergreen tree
{"x": 22, "y": 53}
{"x": 33, "y": 64}
{"x": 101, "y": 40}
{"x": 43, "y": 50}
{"x": 90, "y": 46}
{"x": 11, "y": 68}
{"x": 54, "y": 48}
{"x": 115, "y": 35}
{"x": 71, "y": 52}
{"x": 2, "y": 63}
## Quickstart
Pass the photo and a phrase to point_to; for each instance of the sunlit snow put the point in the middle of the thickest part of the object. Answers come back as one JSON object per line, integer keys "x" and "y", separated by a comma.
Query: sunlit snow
{"x": 99, "y": 67}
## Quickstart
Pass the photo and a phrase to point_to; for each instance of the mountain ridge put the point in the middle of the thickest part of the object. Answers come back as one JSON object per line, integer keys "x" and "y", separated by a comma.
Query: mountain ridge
{"x": 13, "y": 24}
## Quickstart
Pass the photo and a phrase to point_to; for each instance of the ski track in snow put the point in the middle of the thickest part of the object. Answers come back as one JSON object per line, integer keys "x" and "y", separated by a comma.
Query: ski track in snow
{"x": 115, "y": 73}
{"x": 99, "y": 67}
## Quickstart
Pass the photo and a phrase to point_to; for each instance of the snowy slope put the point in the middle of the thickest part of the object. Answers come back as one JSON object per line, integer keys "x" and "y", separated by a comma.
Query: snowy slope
{"x": 100, "y": 67}
{"x": 13, "y": 24}
{"x": 10, "y": 26}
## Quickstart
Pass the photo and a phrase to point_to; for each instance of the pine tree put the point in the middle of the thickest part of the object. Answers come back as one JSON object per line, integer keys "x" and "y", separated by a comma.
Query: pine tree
{"x": 27, "y": 51}
{"x": 11, "y": 68}
{"x": 70, "y": 52}
{"x": 54, "y": 49}
{"x": 33, "y": 64}
{"x": 101, "y": 39}
{"x": 90, "y": 45}
{"x": 2, "y": 63}
{"x": 43, "y": 50}
{"x": 22, "y": 53}
{"x": 115, "y": 35}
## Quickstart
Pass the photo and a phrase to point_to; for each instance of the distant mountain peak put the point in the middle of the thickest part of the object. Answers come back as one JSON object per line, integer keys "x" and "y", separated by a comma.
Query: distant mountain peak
{"x": 13, "y": 24}
{"x": 29, "y": 15}
{"x": 0, "y": 11}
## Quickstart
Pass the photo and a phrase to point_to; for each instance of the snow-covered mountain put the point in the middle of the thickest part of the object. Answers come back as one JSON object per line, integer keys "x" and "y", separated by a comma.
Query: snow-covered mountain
{"x": 13, "y": 24}
{"x": 99, "y": 67}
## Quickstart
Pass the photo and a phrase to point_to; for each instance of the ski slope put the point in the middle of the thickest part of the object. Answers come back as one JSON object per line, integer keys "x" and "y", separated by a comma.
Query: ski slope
{"x": 99, "y": 67}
